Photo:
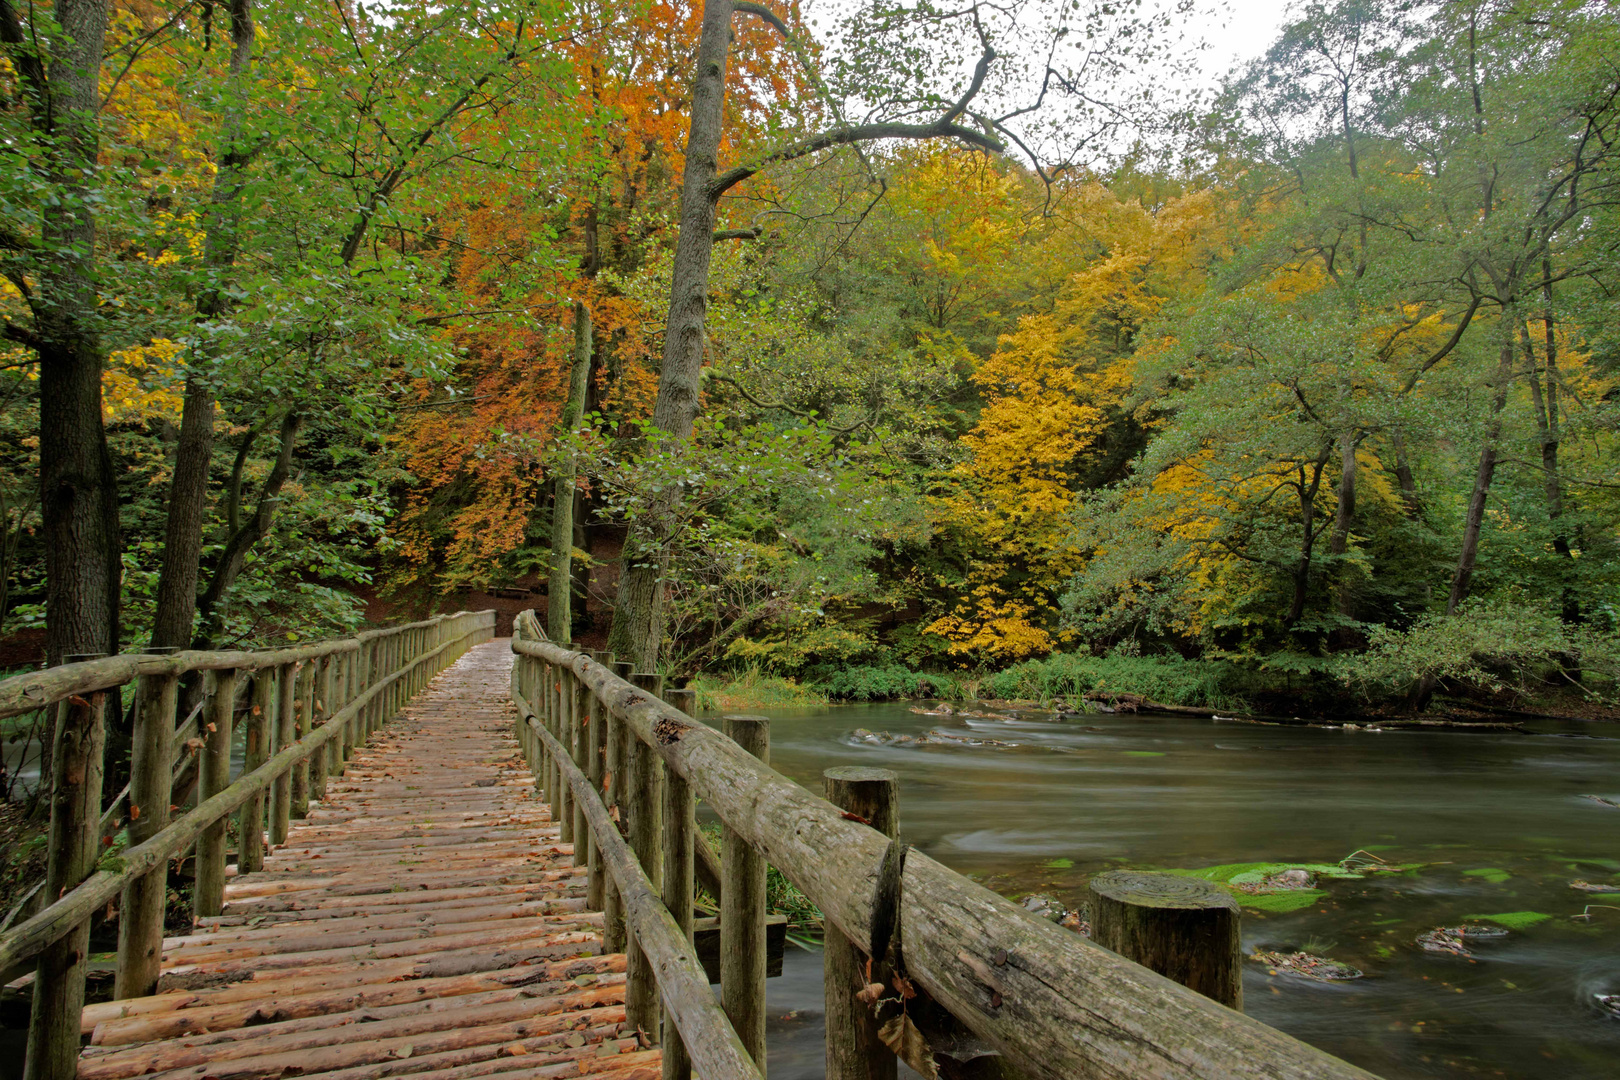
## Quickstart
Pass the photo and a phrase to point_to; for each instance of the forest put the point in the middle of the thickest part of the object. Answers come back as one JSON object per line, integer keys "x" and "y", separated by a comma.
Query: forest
{"x": 878, "y": 350}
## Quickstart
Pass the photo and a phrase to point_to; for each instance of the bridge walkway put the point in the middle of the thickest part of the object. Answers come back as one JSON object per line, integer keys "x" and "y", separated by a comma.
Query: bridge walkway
{"x": 423, "y": 921}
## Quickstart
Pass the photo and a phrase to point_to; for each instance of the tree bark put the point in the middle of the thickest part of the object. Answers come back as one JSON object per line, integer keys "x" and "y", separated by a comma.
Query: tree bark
{"x": 78, "y": 487}
{"x": 1474, "y": 518}
{"x": 1344, "y": 516}
{"x": 560, "y": 585}
{"x": 188, "y": 491}
{"x": 637, "y": 613}
{"x": 242, "y": 539}
{"x": 1404, "y": 477}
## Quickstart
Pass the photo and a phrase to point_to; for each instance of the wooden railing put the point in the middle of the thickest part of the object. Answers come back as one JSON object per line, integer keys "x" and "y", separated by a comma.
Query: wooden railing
{"x": 306, "y": 709}
{"x": 991, "y": 981}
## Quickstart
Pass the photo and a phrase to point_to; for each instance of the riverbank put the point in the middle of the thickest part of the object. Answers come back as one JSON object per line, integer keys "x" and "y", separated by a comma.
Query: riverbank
{"x": 1084, "y": 683}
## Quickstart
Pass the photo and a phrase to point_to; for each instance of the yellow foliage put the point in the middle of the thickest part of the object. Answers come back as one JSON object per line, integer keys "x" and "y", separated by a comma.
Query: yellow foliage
{"x": 143, "y": 382}
{"x": 1047, "y": 393}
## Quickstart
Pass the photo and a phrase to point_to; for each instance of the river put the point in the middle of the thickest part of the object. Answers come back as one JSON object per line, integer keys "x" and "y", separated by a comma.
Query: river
{"x": 1500, "y": 823}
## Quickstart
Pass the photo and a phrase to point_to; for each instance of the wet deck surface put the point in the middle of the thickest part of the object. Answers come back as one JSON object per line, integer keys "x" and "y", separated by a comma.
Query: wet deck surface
{"x": 424, "y": 921}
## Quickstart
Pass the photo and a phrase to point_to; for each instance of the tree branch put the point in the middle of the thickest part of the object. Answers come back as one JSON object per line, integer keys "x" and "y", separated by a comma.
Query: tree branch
{"x": 748, "y": 7}
{"x": 849, "y": 135}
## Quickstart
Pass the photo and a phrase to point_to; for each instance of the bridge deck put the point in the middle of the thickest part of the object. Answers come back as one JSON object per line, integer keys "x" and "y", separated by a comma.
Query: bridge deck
{"x": 423, "y": 921}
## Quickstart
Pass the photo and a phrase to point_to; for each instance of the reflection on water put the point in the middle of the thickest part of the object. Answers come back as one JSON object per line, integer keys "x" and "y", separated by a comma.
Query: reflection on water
{"x": 1499, "y": 820}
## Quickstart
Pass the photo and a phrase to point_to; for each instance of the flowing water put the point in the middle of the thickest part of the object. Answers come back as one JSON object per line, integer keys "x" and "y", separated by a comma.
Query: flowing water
{"x": 1500, "y": 823}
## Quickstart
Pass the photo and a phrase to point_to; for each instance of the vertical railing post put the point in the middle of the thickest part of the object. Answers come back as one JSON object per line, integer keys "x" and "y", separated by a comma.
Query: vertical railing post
{"x": 645, "y": 796}
{"x": 282, "y": 732}
{"x": 561, "y": 729}
{"x": 680, "y": 828}
{"x": 615, "y": 759}
{"x": 578, "y": 717}
{"x": 854, "y": 1050}
{"x": 344, "y": 743}
{"x": 595, "y": 766}
{"x": 742, "y": 911}
{"x": 303, "y": 710}
{"x": 365, "y": 674}
{"x": 140, "y": 911}
{"x": 214, "y": 776}
{"x": 74, "y": 845}
{"x": 321, "y": 764}
{"x": 546, "y": 705}
{"x": 255, "y": 750}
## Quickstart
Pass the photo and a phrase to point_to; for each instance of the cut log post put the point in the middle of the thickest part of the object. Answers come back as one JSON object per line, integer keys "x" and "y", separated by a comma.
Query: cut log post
{"x": 323, "y": 763}
{"x": 854, "y": 1050}
{"x": 578, "y": 717}
{"x": 255, "y": 752}
{"x": 561, "y": 726}
{"x": 616, "y": 766}
{"x": 303, "y": 714}
{"x": 646, "y": 811}
{"x": 595, "y": 747}
{"x": 151, "y": 774}
{"x": 548, "y": 716}
{"x": 283, "y": 734}
{"x": 742, "y": 910}
{"x": 347, "y": 687}
{"x": 1185, "y": 929}
{"x": 680, "y": 827}
{"x": 53, "y": 1023}
{"x": 208, "y": 893}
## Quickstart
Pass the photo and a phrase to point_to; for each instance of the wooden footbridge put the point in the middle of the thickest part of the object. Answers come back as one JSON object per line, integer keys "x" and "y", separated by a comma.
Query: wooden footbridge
{"x": 453, "y": 865}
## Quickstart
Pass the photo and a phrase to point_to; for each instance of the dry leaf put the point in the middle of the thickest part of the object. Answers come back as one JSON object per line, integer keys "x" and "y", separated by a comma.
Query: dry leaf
{"x": 404, "y": 1051}
{"x": 903, "y": 986}
{"x": 908, "y": 1044}
{"x": 516, "y": 1049}
{"x": 134, "y": 812}
{"x": 869, "y": 994}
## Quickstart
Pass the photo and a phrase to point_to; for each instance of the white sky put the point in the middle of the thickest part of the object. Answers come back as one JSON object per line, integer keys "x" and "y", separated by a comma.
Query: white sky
{"x": 1237, "y": 31}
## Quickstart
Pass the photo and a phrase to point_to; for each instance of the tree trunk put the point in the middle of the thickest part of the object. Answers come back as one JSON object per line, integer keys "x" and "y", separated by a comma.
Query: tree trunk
{"x": 1474, "y": 519}
{"x": 242, "y": 539}
{"x": 1307, "y": 512}
{"x": 1403, "y": 476}
{"x": 560, "y": 586}
{"x": 637, "y": 613}
{"x": 78, "y": 487}
{"x": 188, "y": 492}
{"x": 1344, "y": 516}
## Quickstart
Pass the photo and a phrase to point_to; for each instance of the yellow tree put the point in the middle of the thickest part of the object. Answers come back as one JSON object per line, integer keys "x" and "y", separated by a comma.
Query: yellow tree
{"x": 1054, "y": 407}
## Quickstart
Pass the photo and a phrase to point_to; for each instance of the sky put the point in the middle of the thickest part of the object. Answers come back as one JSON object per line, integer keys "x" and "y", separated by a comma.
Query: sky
{"x": 1236, "y": 30}
{"x": 1240, "y": 31}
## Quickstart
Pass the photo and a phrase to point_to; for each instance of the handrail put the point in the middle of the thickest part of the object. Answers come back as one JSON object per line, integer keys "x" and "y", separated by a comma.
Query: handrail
{"x": 715, "y": 1048}
{"x": 372, "y": 674}
{"x": 30, "y": 937}
{"x": 37, "y": 689}
{"x": 1050, "y": 1001}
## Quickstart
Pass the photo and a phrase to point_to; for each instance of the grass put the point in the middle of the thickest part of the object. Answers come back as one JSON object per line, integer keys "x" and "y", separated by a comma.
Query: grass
{"x": 1170, "y": 680}
{"x": 753, "y": 689}
{"x": 782, "y": 897}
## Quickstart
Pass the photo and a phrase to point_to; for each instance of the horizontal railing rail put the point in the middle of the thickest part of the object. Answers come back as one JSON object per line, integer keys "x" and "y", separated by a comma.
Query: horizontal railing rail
{"x": 309, "y": 707}
{"x": 1050, "y": 1002}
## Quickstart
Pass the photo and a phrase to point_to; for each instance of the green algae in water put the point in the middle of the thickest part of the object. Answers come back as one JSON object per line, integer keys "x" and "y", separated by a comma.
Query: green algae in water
{"x": 1279, "y": 903}
{"x": 1143, "y": 753}
{"x": 1513, "y": 920}
{"x": 1059, "y": 864}
{"x": 1489, "y": 873}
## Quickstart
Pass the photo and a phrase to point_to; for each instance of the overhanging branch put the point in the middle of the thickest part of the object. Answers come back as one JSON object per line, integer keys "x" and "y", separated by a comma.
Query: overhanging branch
{"x": 850, "y": 135}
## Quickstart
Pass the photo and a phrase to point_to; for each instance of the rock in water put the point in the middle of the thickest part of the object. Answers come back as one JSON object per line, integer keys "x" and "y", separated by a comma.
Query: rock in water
{"x": 1306, "y": 966}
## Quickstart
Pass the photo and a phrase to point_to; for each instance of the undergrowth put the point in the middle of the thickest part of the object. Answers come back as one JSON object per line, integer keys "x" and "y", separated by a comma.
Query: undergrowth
{"x": 1171, "y": 680}
{"x": 782, "y": 897}
{"x": 753, "y": 689}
